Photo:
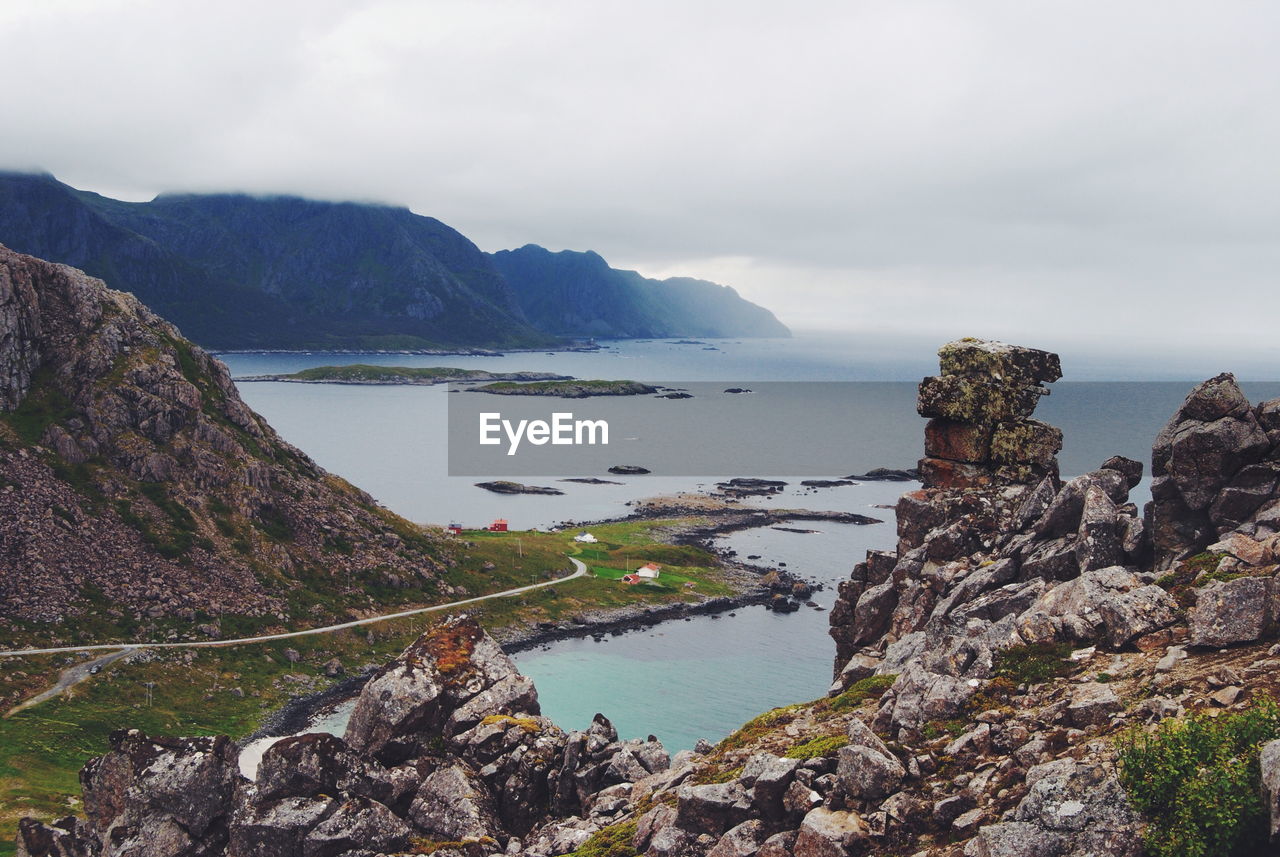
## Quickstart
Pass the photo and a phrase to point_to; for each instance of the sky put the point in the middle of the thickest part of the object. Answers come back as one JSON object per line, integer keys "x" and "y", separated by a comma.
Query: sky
{"x": 1091, "y": 175}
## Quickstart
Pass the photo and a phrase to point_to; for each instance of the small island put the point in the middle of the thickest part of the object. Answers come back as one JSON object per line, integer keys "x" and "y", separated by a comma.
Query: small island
{"x": 365, "y": 373}
{"x": 502, "y": 486}
{"x": 566, "y": 388}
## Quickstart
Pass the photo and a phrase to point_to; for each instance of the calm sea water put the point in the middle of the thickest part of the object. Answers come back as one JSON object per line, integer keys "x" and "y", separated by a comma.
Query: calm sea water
{"x": 702, "y": 678}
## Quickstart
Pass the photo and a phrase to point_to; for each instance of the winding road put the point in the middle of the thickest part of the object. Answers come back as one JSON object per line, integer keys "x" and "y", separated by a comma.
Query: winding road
{"x": 580, "y": 569}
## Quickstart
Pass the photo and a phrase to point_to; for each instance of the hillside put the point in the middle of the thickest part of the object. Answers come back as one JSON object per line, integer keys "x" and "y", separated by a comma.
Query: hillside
{"x": 138, "y": 491}
{"x": 578, "y": 294}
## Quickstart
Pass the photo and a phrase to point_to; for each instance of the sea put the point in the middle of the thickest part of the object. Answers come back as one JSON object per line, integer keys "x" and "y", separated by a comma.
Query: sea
{"x": 702, "y": 677}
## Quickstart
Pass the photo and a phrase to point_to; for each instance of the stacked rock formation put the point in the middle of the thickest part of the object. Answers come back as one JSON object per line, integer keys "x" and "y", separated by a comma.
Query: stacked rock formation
{"x": 980, "y": 431}
{"x": 1000, "y": 526}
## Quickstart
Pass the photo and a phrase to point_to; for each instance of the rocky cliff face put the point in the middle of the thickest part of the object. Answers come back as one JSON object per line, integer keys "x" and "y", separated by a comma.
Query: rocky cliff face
{"x": 132, "y": 475}
{"x": 986, "y": 670}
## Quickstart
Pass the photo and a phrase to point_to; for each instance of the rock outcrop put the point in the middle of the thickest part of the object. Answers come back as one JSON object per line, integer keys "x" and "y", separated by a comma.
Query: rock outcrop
{"x": 1215, "y": 469}
{"x": 132, "y": 474}
{"x": 994, "y": 530}
{"x": 446, "y": 745}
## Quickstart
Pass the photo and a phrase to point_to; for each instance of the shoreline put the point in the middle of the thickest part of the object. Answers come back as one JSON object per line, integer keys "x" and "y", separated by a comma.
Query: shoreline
{"x": 296, "y": 714}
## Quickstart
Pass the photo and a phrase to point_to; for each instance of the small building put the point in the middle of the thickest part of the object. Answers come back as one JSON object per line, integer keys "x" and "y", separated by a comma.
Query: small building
{"x": 649, "y": 571}
{"x": 498, "y": 526}
{"x": 456, "y": 529}
{"x": 585, "y": 537}
{"x": 630, "y": 579}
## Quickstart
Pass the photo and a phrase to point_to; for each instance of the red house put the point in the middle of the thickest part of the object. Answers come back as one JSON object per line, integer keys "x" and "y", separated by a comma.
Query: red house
{"x": 456, "y": 529}
{"x": 498, "y": 526}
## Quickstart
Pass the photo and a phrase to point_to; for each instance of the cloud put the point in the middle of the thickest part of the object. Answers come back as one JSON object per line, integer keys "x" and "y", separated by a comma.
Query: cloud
{"x": 1104, "y": 169}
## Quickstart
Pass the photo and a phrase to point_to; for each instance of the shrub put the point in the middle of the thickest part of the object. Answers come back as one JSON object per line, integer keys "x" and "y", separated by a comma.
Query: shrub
{"x": 612, "y": 841}
{"x": 826, "y": 745}
{"x": 1197, "y": 781}
{"x": 1034, "y": 662}
{"x": 871, "y": 687}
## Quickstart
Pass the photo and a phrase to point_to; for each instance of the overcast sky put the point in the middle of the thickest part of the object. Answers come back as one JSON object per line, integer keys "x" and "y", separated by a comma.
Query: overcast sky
{"x": 1049, "y": 172}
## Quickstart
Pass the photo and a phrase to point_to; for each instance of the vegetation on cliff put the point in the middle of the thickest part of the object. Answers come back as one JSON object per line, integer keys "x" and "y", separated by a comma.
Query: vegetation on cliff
{"x": 364, "y": 373}
{"x": 566, "y": 389}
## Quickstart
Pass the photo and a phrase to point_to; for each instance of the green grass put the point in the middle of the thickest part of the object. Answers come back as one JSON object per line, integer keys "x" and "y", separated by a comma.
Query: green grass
{"x": 1182, "y": 581}
{"x": 364, "y": 372}
{"x": 1196, "y": 779}
{"x": 1034, "y": 662}
{"x": 611, "y": 841}
{"x": 871, "y": 687}
{"x": 814, "y": 748}
{"x": 567, "y": 388}
{"x": 41, "y": 408}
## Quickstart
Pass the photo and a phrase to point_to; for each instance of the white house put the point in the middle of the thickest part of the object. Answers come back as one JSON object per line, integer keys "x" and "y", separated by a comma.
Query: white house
{"x": 586, "y": 537}
{"x": 649, "y": 571}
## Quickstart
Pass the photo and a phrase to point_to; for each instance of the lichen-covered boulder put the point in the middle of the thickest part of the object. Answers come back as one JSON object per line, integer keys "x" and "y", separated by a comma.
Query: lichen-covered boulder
{"x": 450, "y": 678}
{"x": 1233, "y": 611}
{"x": 161, "y": 797}
{"x": 1269, "y": 763}
{"x": 829, "y": 833}
{"x": 1108, "y": 605}
{"x": 453, "y": 804}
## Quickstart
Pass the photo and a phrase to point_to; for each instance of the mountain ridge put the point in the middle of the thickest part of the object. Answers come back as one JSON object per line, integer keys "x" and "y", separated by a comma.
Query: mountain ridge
{"x": 579, "y": 293}
{"x": 241, "y": 272}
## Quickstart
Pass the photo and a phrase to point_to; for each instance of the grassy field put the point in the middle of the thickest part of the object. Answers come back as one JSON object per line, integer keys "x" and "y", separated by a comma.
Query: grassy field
{"x": 229, "y": 690}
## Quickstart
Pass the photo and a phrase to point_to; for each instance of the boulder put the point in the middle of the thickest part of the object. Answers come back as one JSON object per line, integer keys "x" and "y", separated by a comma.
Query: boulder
{"x": 712, "y": 808}
{"x": 1098, "y": 537}
{"x": 1093, "y": 705}
{"x": 1085, "y": 802}
{"x": 318, "y": 764}
{"x": 768, "y": 776}
{"x": 743, "y": 840}
{"x": 447, "y": 680}
{"x": 67, "y": 837}
{"x": 1026, "y": 441}
{"x": 1109, "y": 605}
{"x": 919, "y": 696}
{"x": 1233, "y": 611}
{"x": 1269, "y": 762}
{"x": 778, "y": 845}
{"x": 1014, "y": 364}
{"x": 452, "y": 804}
{"x": 1130, "y": 469}
{"x": 829, "y": 833}
{"x": 358, "y": 823}
{"x": 163, "y": 796}
{"x": 868, "y": 774}
{"x": 661, "y": 816}
{"x": 276, "y": 828}
{"x": 1017, "y": 839}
